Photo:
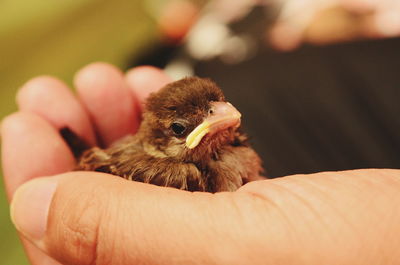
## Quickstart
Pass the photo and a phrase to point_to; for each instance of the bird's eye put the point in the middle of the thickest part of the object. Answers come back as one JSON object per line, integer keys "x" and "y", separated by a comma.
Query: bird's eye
{"x": 178, "y": 128}
{"x": 173, "y": 108}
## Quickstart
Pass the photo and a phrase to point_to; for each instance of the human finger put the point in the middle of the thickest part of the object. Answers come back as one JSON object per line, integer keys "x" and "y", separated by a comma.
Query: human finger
{"x": 144, "y": 80}
{"x": 328, "y": 218}
{"x": 31, "y": 147}
{"x": 54, "y": 101}
{"x": 112, "y": 221}
{"x": 110, "y": 104}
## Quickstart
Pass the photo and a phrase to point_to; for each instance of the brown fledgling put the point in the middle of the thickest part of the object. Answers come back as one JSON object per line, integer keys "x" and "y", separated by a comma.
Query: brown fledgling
{"x": 189, "y": 139}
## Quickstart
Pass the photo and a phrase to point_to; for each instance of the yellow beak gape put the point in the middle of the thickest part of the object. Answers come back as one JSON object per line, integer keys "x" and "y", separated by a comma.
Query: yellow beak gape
{"x": 194, "y": 138}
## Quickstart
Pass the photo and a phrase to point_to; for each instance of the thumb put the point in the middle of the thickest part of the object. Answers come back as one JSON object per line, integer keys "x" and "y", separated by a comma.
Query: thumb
{"x": 327, "y": 218}
{"x": 94, "y": 218}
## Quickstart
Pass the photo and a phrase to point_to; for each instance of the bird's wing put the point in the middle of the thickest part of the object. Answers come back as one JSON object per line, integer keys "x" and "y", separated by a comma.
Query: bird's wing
{"x": 128, "y": 159}
{"x": 235, "y": 166}
{"x": 160, "y": 171}
{"x": 76, "y": 144}
{"x": 249, "y": 157}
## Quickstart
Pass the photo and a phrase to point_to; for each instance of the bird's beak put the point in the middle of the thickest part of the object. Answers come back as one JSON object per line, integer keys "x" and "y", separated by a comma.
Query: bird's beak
{"x": 222, "y": 115}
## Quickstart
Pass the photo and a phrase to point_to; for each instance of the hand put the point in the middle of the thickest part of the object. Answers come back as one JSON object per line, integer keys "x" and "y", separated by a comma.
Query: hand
{"x": 92, "y": 218}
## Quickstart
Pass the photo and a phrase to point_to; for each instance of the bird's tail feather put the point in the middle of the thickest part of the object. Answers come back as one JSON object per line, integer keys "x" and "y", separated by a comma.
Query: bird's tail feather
{"x": 75, "y": 143}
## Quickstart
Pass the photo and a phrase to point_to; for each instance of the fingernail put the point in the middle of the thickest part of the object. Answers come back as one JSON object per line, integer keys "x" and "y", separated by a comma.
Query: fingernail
{"x": 30, "y": 207}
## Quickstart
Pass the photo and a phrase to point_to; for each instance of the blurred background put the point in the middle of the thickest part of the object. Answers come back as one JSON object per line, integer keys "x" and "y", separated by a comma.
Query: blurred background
{"x": 317, "y": 81}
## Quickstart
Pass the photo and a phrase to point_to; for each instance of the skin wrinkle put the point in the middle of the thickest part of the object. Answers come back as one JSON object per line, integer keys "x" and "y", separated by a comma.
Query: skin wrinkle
{"x": 375, "y": 182}
{"x": 353, "y": 185}
{"x": 196, "y": 204}
{"x": 116, "y": 250}
{"x": 245, "y": 210}
{"x": 333, "y": 179}
{"x": 80, "y": 237}
{"x": 215, "y": 236}
{"x": 147, "y": 244}
{"x": 342, "y": 181}
{"x": 303, "y": 201}
{"x": 378, "y": 180}
{"x": 96, "y": 243}
{"x": 196, "y": 236}
{"x": 357, "y": 234}
{"x": 336, "y": 210}
{"x": 387, "y": 236}
{"x": 304, "y": 255}
{"x": 95, "y": 239}
{"x": 107, "y": 217}
{"x": 381, "y": 239}
{"x": 106, "y": 247}
{"x": 322, "y": 194}
{"x": 247, "y": 205}
{"x": 162, "y": 233}
{"x": 236, "y": 240}
{"x": 237, "y": 211}
{"x": 271, "y": 204}
{"x": 104, "y": 220}
{"x": 112, "y": 210}
{"x": 81, "y": 234}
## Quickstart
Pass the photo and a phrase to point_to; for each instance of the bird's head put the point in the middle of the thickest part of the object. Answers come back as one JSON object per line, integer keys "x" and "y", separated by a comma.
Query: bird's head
{"x": 188, "y": 119}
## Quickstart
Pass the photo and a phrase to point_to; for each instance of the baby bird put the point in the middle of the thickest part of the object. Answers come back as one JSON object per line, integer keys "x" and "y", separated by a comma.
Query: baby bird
{"x": 189, "y": 139}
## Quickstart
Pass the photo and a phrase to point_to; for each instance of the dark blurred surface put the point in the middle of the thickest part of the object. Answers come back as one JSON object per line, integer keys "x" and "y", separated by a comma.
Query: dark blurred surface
{"x": 318, "y": 108}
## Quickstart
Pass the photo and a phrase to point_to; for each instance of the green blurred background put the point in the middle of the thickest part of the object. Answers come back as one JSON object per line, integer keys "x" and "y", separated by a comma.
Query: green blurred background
{"x": 45, "y": 37}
